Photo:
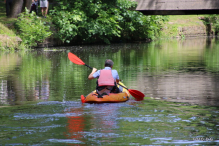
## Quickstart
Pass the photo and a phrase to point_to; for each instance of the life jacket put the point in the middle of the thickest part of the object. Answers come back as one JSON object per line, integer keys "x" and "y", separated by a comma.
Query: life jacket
{"x": 106, "y": 78}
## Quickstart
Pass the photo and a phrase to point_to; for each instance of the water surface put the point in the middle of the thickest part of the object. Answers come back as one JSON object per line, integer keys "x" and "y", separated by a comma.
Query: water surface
{"x": 40, "y": 95}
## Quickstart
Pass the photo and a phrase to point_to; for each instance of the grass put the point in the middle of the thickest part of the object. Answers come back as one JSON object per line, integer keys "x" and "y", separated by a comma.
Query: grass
{"x": 8, "y": 37}
{"x": 3, "y": 17}
{"x": 5, "y": 31}
{"x": 5, "y": 20}
{"x": 184, "y": 20}
{"x": 172, "y": 28}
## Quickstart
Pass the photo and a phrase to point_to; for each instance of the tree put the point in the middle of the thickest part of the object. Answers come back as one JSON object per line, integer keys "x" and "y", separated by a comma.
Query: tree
{"x": 106, "y": 21}
{"x": 27, "y": 4}
{"x": 19, "y": 6}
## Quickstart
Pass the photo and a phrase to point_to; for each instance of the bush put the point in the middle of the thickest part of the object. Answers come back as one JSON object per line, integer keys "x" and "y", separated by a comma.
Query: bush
{"x": 95, "y": 20}
{"x": 31, "y": 28}
{"x": 212, "y": 20}
{"x": 8, "y": 38}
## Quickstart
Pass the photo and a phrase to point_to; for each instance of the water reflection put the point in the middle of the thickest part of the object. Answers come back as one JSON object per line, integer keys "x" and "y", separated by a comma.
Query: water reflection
{"x": 20, "y": 74}
{"x": 76, "y": 125}
{"x": 185, "y": 72}
{"x": 174, "y": 70}
{"x": 187, "y": 87}
{"x": 42, "y": 91}
{"x": 92, "y": 122}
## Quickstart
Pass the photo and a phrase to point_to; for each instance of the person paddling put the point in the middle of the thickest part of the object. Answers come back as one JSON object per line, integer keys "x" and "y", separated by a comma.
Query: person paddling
{"x": 107, "y": 79}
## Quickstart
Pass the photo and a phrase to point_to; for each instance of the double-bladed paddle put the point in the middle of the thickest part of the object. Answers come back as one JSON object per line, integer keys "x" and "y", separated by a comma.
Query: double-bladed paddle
{"x": 135, "y": 93}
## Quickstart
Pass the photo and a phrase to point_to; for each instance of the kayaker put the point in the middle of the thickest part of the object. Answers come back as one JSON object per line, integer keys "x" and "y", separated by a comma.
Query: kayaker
{"x": 107, "y": 79}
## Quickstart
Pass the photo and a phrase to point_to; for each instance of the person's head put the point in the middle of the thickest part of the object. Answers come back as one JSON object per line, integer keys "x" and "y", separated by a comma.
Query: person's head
{"x": 109, "y": 63}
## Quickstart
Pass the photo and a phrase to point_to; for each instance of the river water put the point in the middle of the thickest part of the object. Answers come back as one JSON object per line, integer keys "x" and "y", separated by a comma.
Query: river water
{"x": 40, "y": 95}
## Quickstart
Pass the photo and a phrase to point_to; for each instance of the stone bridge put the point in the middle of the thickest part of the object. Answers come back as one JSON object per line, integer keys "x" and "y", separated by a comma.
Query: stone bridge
{"x": 177, "y": 7}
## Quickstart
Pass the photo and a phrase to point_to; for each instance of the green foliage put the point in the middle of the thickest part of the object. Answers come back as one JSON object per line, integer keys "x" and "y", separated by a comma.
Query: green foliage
{"x": 31, "y": 29}
{"x": 213, "y": 20}
{"x": 5, "y": 31}
{"x": 8, "y": 40}
{"x": 103, "y": 20}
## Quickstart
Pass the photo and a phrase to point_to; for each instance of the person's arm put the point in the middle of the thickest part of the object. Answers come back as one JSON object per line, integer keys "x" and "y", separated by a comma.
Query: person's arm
{"x": 117, "y": 77}
{"x": 90, "y": 77}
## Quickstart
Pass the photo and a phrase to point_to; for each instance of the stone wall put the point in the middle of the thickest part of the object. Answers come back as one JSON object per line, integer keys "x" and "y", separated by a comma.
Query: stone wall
{"x": 193, "y": 31}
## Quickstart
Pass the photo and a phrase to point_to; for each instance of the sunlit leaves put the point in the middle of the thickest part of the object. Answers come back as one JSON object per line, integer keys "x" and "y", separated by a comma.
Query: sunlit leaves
{"x": 213, "y": 20}
{"x": 31, "y": 29}
{"x": 92, "y": 21}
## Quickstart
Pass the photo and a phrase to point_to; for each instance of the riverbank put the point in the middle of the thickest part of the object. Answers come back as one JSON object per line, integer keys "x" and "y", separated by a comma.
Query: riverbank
{"x": 178, "y": 26}
{"x": 8, "y": 39}
{"x": 181, "y": 26}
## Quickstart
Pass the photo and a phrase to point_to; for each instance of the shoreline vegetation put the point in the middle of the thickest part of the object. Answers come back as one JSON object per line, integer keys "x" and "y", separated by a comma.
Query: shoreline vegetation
{"x": 63, "y": 28}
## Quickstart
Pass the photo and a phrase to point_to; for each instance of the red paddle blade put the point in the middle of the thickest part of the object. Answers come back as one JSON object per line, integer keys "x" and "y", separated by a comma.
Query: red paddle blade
{"x": 136, "y": 94}
{"x": 73, "y": 58}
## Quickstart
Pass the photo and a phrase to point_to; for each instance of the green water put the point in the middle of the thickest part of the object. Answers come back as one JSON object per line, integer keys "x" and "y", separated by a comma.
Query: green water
{"x": 40, "y": 95}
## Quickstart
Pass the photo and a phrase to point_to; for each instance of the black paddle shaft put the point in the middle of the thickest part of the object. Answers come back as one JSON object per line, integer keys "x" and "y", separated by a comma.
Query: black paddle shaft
{"x": 88, "y": 66}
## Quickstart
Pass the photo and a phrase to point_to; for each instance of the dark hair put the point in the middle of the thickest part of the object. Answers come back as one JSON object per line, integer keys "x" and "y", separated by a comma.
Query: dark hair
{"x": 108, "y": 63}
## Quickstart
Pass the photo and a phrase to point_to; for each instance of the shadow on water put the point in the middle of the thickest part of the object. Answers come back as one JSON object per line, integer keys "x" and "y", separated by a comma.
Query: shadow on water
{"x": 40, "y": 95}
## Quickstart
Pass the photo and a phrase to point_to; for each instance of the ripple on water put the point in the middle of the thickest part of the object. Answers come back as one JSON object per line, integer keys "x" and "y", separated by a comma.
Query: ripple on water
{"x": 35, "y": 116}
{"x": 147, "y": 118}
{"x": 74, "y": 141}
{"x": 163, "y": 141}
{"x": 67, "y": 103}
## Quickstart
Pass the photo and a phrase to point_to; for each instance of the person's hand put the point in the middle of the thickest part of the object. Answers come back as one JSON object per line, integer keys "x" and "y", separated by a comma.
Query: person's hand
{"x": 94, "y": 70}
{"x": 4, "y": 1}
{"x": 90, "y": 77}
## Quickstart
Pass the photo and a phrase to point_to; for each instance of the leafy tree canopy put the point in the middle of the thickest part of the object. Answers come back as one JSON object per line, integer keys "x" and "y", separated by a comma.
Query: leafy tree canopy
{"x": 103, "y": 20}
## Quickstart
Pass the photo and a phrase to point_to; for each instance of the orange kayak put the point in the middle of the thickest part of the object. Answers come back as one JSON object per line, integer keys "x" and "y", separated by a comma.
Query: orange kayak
{"x": 111, "y": 98}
